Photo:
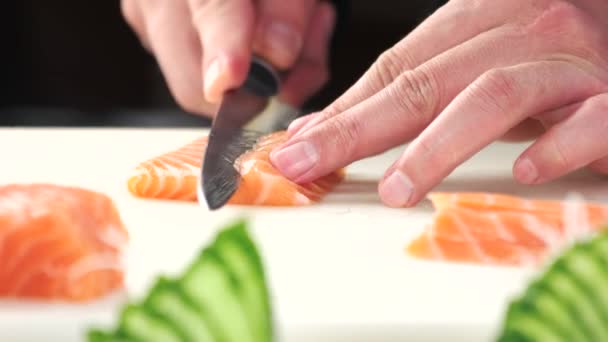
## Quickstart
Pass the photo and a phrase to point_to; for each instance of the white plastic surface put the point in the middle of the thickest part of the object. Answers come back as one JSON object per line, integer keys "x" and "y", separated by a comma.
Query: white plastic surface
{"x": 338, "y": 270}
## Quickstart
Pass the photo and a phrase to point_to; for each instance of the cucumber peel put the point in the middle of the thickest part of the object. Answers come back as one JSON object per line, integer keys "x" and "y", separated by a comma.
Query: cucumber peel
{"x": 222, "y": 296}
{"x": 568, "y": 301}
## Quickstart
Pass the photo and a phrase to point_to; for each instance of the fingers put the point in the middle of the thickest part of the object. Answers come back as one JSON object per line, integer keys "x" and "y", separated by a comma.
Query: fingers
{"x": 311, "y": 71}
{"x": 407, "y": 105}
{"x": 280, "y": 30}
{"x": 176, "y": 47}
{"x": 132, "y": 13}
{"x": 575, "y": 142}
{"x": 295, "y": 124}
{"x": 489, "y": 107}
{"x": 226, "y": 31}
{"x": 453, "y": 24}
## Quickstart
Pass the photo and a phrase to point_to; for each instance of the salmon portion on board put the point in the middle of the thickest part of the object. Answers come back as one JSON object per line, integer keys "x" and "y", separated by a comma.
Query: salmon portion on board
{"x": 173, "y": 176}
{"x": 59, "y": 243}
{"x": 487, "y": 228}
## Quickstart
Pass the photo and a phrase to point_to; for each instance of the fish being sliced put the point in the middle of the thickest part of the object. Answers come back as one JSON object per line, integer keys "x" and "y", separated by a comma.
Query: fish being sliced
{"x": 173, "y": 176}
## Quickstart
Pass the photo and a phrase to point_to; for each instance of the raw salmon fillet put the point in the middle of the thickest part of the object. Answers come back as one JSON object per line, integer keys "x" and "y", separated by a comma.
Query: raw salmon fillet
{"x": 59, "y": 243}
{"x": 499, "y": 229}
{"x": 173, "y": 175}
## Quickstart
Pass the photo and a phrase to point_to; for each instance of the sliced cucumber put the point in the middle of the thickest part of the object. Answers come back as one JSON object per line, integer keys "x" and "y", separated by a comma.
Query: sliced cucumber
{"x": 142, "y": 325}
{"x": 222, "y": 296}
{"x": 568, "y": 301}
{"x": 541, "y": 316}
{"x": 240, "y": 254}
{"x": 95, "y": 335}
{"x": 211, "y": 286}
{"x": 167, "y": 300}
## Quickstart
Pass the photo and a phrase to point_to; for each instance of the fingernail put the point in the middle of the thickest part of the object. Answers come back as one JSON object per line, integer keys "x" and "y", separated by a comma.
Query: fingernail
{"x": 283, "y": 41}
{"x": 295, "y": 160}
{"x": 212, "y": 76}
{"x": 525, "y": 171}
{"x": 396, "y": 189}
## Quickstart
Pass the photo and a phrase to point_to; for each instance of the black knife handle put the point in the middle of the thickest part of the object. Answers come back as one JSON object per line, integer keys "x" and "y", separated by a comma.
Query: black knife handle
{"x": 262, "y": 79}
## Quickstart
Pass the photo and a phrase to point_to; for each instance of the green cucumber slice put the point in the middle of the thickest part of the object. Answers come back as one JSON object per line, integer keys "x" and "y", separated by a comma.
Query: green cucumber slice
{"x": 210, "y": 286}
{"x": 568, "y": 301}
{"x": 97, "y": 335}
{"x": 141, "y": 325}
{"x": 167, "y": 301}
{"x": 221, "y": 296}
{"x": 238, "y": 252}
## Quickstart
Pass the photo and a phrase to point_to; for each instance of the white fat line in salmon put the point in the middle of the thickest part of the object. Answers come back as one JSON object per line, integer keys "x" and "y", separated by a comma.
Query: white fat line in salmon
{"x": 113, "y": 236}
{"x": 577, "y": 225}
{"x": 23, "y": 250}
{"x": 437, "y": 253}
{"x": 544, "y": 232}
{"x": 501, "y": 229}
{"x": 481, "y": 254}
{"x": 94, "y": 262}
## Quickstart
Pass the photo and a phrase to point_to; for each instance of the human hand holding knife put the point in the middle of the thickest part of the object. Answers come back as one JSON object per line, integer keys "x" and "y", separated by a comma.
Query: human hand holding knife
{"x": 245, "y": 114}
{"x": 203, "y": 48}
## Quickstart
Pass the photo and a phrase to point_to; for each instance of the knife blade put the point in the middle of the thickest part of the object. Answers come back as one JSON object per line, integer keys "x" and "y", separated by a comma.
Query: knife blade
{"x": 245, "y": 114}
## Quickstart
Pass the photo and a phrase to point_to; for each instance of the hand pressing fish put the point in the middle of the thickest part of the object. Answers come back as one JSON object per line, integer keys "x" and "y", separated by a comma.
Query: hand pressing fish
{"x": 59, "y": 243}
{"x": 174, "y": 174}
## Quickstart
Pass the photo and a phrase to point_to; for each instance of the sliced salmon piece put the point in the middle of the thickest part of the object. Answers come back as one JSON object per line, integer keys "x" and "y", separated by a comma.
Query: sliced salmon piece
{"x": 173, "y": 175}
{"x": 59, "y": 242}
{"x": 500, "y": 229}
{"x": 429, "y": 246}
{"x": 502, "y": 202}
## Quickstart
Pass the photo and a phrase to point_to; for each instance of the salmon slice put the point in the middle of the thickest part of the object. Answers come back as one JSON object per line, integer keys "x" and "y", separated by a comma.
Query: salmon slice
{"x": 501, "y": 229}
{"x": 501, "y": 202}
{"x": 173, "y": 175}
{"x": 59, "y": 242}
{"x": 430, "y": 246}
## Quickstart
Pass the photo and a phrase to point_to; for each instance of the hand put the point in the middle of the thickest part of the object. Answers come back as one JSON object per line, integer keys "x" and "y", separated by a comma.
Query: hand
{"x": 204, "y": 47}
{"x": 473, "y": 72}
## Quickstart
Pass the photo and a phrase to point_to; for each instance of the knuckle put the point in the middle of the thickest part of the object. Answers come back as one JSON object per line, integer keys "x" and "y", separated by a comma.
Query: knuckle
{"x": 387, "y": 67}
{"x": 338, "y": 106}
{"x": 497, "y": 91}
{"x": 498, "y": 82}
{"x": 432, "y": 162}
{"x": 415, "y": 93}
{"x": 556, "y": 17}
{"x": 346, "y": 132}
{"x": 571, "y": 29}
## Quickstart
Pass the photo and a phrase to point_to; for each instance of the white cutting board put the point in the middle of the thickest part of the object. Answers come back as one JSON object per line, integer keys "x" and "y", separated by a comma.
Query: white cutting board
{"x": 338, "y": 270}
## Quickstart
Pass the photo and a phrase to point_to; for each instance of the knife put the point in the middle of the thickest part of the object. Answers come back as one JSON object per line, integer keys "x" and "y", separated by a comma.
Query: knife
{"x": 245, "y": 114}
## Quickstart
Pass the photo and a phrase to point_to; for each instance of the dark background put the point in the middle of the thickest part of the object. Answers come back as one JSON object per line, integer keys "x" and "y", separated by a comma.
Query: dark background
{"x": 77, "y": 63}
